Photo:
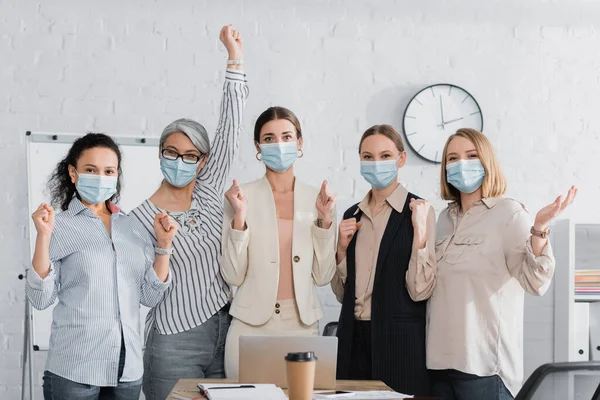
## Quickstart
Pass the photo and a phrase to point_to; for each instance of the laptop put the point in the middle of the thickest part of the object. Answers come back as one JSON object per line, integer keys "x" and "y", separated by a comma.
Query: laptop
{"x": 262, "y": 358}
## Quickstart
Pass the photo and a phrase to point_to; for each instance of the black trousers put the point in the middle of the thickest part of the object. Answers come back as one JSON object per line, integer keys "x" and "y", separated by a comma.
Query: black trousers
{"x": 361, "y": 351}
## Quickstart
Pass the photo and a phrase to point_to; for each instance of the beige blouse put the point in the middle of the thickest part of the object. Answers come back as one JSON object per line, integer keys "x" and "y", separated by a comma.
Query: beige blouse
{"x": 484, "y": 266}
{"x": 420, "y": 277}
{"x": 285, "y": 289}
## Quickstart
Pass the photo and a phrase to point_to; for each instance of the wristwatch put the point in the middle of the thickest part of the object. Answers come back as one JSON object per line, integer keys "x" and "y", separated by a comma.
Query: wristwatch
{"x": 542, "y": 234}
{"x": 235, "y": 62}
{"x": 168, "y": 252}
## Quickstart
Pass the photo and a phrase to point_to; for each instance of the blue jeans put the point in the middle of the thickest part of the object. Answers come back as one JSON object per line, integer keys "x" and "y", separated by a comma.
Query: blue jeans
{"x": 450, "y": 384}
{"x": 197, "y": 353}
{"x": 59, "y": 388}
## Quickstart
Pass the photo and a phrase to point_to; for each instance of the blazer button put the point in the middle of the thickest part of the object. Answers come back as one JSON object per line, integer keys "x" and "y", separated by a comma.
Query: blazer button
{"x": 277, "y": 305}
{"x": 277, "y": 311}
{"x": 296, "y": 259}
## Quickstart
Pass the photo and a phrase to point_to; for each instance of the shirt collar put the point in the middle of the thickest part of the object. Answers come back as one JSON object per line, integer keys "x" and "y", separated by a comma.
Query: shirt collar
{"x": 489, "y": 202}
{"x": 396, "y": 200}
{"x": 76, "y": 207}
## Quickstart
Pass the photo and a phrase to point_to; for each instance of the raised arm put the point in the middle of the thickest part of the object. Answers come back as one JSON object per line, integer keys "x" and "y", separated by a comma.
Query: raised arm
{"x": 422, "y": 267}
{"x": 528, "y": 255}
{"x": 158, "y": 277}
{"x": 323, "y": 235}
{"x": 346, "y": 232}
{"x": 43, "y": 280}
{"x": 227, "y": 137}
{"x": 236, "y": 236}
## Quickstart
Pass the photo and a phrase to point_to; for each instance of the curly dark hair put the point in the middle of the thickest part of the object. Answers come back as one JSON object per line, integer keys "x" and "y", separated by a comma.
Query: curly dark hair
{"x": 61, "y": 188}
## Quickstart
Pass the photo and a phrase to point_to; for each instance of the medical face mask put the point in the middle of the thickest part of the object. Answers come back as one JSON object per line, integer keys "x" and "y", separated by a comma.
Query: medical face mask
{"x": 380, "y": 174}
{"x": 465, "y": 175}
{"x": 96, "y": 189}
{"x": 178, "y": 173}
{"x": 279, "y": 156}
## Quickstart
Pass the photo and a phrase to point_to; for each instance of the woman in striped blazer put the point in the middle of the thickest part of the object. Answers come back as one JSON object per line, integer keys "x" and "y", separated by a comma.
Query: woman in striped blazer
{"x": 278, "y": 241}
{"x": 101, "y": 265}
{"x": 186, "y": 331}
{"x": 385, "y": 273}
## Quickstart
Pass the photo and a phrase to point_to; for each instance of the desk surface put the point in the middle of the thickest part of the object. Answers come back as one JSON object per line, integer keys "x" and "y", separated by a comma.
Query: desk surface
{"x": 189, "y": 386}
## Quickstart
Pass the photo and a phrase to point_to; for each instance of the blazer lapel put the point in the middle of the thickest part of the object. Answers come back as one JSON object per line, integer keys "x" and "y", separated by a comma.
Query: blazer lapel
{"x": 391, "y": 230}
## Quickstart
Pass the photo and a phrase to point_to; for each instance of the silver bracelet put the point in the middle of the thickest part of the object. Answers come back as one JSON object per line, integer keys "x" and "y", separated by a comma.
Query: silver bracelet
{"x": 235, "y": 62}
{"x": 167, "y": 252}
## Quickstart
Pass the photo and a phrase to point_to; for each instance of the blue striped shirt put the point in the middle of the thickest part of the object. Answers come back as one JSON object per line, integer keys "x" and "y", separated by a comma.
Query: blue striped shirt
{"x": 100, "y": 281}
{"x": 198, "y": 290}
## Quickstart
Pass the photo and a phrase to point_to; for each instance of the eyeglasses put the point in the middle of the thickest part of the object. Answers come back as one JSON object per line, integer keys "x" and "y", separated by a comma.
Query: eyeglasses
{"x": 186, "y": 158}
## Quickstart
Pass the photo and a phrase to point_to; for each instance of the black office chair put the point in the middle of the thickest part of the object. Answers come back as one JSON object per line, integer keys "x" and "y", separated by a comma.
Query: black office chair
{"x": 330, "y": 329}
{"x": 569, "y": 380}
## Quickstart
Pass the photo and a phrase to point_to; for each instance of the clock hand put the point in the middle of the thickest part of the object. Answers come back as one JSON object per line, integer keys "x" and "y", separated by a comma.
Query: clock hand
{"x": 453, "y": 120}
{"x": 449, "y": 122}
{"x": 442, "y": 111}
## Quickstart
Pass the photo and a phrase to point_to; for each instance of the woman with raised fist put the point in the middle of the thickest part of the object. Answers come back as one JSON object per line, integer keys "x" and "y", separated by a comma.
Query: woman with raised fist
{"x": 101, "y": 265}
{"x": 278, "y": 241}
{"x": 386, "y": 270}
{"x": 186, "y": 331}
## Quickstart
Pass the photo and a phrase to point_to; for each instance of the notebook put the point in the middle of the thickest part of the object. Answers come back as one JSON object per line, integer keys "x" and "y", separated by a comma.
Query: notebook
{"x": 234, "y": 391}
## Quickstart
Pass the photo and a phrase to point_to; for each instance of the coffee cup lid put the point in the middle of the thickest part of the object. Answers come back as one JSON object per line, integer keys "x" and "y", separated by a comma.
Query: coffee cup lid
{"x": 300, "y": 357}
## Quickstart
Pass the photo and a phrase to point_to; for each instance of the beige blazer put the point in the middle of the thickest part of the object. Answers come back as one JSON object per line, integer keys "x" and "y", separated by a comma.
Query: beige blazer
{"x": 250, "y": 258}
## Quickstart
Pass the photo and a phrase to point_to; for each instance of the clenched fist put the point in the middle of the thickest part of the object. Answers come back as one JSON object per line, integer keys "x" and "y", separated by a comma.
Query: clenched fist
{"x": 43, "y": 219}
{"x": 239, "y": 203}
{"x": 165, "y": 229}
{"x": 347, "y": 230}
{"x": 232, "y": 39}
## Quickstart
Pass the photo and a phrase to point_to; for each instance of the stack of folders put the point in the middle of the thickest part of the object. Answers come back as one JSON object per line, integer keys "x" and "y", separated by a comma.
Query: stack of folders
{"x": 587, "y": 282}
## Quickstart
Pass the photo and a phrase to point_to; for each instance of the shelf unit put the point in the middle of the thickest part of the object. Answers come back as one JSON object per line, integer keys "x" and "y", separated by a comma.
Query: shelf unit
{"x": 563, "y": 239}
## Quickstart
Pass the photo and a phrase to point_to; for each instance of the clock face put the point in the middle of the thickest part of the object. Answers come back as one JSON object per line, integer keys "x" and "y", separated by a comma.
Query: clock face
{"x": 435, "y": 113}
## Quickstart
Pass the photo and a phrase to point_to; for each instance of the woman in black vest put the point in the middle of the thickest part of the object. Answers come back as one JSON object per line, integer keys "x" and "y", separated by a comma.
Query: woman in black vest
{"x": 385, "y": 273}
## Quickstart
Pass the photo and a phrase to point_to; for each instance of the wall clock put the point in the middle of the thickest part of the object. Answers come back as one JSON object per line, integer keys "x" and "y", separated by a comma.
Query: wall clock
{"x": 435, "y": 113}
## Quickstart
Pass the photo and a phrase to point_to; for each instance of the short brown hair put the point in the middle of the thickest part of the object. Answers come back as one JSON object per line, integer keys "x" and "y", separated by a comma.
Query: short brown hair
{"x": 272, "y": 114}
{"x": 386, "y": 130}
{"x": 494, "y": 183}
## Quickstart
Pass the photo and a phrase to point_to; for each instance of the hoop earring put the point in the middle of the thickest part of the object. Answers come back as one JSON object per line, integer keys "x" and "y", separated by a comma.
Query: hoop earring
{"x": 258, "y": 157}
{"x": 301, "y": 153}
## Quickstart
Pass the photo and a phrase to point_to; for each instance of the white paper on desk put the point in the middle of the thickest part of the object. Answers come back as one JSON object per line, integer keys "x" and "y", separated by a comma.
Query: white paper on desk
{"x": 373, "y": 394}
{"x": 259, "y": 391}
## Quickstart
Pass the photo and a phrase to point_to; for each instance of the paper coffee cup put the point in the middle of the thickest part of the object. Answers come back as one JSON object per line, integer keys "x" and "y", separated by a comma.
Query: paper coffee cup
{"x": 301, "y": 375}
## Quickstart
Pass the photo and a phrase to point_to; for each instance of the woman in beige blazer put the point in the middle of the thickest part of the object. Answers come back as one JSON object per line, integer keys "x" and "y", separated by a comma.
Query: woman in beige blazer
{"x": 278, "y": 241}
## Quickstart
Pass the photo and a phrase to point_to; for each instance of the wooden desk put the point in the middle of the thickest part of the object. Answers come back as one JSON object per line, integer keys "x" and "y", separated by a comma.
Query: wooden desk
{"x": 188, "y": 386}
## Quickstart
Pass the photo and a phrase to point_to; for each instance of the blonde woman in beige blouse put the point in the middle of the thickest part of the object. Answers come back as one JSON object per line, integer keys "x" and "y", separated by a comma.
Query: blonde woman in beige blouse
{"x": 488, "y": 256}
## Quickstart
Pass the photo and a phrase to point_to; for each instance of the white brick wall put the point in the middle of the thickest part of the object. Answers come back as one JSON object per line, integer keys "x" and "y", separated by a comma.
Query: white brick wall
{"x": 126, "y": 67}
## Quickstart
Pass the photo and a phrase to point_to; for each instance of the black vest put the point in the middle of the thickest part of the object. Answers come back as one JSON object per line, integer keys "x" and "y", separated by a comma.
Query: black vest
{"x": 397, "y": 322}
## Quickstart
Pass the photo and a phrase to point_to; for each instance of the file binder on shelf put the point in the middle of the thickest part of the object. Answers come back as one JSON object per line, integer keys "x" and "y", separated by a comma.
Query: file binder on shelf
{"x": 595, "y": 331}
{"x": 582, "y": 332}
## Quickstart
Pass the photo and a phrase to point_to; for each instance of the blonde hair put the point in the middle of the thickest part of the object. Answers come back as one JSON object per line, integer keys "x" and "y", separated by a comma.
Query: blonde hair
{"x": 494, "y": 183}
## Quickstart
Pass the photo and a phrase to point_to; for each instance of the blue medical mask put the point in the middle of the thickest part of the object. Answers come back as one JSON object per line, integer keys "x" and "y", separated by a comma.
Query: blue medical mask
{"x": 96, "y": 189}
{"x": 465, "y": 175}
{"x": 380, "y": 174}
{"x": 279, "y": 156}
{"x": 178, "y": 173}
